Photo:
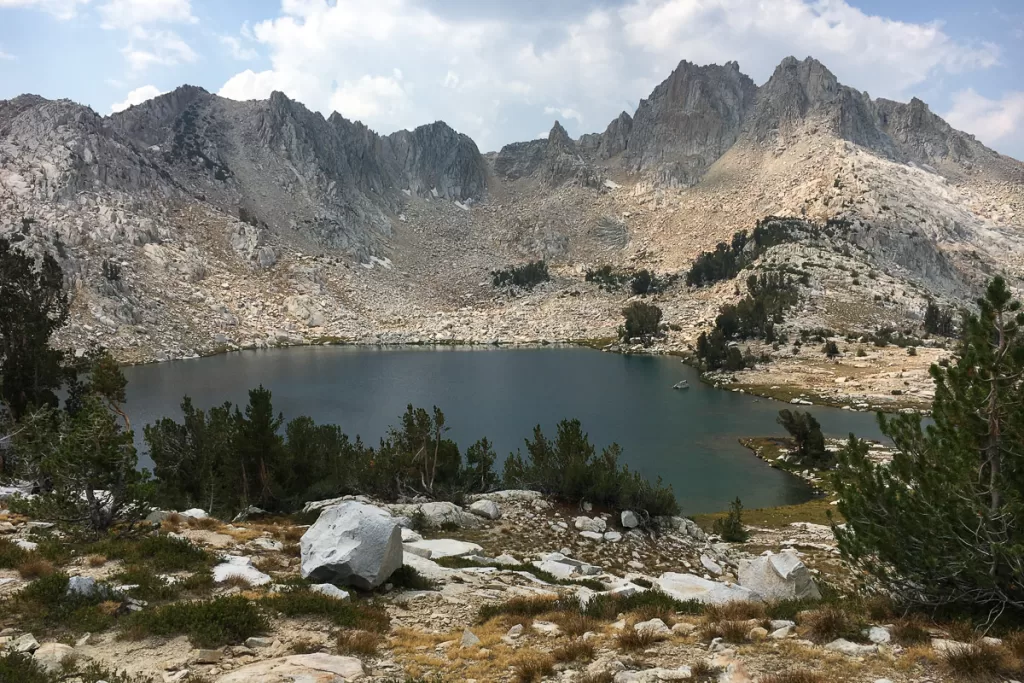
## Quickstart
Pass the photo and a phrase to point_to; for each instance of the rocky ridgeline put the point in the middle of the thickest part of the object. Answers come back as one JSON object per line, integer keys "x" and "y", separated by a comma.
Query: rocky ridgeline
{"x": 192, "y": 224}
{"x": 504, "y": 546}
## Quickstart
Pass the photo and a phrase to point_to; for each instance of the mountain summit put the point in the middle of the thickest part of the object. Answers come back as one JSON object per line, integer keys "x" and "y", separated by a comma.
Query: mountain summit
{"x": 237, "y": 223}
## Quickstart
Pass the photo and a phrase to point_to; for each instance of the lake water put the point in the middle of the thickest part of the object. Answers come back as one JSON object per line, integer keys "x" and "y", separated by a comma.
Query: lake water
{"x": 688, "y": 438}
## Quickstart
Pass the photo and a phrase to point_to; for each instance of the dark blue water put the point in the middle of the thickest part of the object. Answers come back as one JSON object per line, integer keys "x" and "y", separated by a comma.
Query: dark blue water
{"x": 688, "y": 438}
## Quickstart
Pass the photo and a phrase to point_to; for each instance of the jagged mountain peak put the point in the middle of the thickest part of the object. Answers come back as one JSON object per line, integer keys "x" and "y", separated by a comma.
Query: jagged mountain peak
{"x": 559, "y": 137}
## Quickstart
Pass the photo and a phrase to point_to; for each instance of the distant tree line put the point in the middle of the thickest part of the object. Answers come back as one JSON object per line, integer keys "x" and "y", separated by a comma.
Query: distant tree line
{"x": 641, "y": 282}
{"x": 754, "y": 317}
{"x": 526, "y": 276}
{"x": 729, "y": 258}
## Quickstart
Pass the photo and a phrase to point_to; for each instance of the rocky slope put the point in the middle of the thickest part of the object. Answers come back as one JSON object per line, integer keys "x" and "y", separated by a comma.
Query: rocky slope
{"x": 514, "y": 548}
{"x": 239, "y": 224}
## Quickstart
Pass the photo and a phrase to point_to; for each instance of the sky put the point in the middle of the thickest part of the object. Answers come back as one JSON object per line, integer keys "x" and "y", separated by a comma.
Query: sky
{"x": 505, "y": 71}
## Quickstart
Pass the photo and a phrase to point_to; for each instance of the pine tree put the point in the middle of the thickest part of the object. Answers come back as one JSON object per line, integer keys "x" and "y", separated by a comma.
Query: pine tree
{"x": 33, "y": 305}
{"x": 940, "y": 524}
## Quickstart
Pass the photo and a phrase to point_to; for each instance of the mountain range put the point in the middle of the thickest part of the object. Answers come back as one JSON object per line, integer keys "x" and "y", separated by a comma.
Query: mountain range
{"x": 192, "y": 223}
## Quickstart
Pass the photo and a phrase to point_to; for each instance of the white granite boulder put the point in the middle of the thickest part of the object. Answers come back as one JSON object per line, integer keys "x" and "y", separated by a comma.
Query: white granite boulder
{"x": 442, "y": 547}
{"x": 629, "y": 519}
{"x": 779, "y": 577}
{"x": 689, "y": 587}
{"x": 352, "y": 543}
{"x": 487, "y": 509}
{"x": 593, "y": 524}
{"x": 239, "y": 568}
{"x": 313, "y": 668}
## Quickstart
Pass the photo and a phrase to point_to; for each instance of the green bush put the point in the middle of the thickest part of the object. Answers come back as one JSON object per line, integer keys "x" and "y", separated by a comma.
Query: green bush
{"x": 21, "y": 668}
{"x": 642, "y": 320}
{"x": 209, "y": 623}
{"x": 569, "y": 468}
{"x": 302, "y": 602}
{"x": 730, "y": 528}
{"x": 46, "y": 602}
{"x": 161, "y": 553}
{"x": 526, "y": 276}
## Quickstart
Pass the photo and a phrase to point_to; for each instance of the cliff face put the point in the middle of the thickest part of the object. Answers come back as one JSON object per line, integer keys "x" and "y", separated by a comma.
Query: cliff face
{"x": 241, "y": 223}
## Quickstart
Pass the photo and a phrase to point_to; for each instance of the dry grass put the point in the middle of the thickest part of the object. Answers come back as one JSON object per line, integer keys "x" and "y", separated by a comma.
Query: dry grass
{"x": 95, "y": 561}
{"x": 290, "y": 534}
{"x": 1014, "y": 642}
{"x": 358, "y": 642}
{"x": 577, "y": 650}
{"x": 206, "y": 523}
{"x": 304, "y": 646}
{"x": 979, "y": 662}
{"x": 961, "y": 630}
{"x": 35, "y": 568}
{"x": 238, "y": 581}
{"x": 792, "y": 677}
{"x": 736, "y": 611}
{"x": 533, "y": 666}
{"x": 603, "y": 677}
{"x": 731, "y": 631}
{"x": 705, "y": 672}
{"x": 829, "y": 623}
{"x": 629, "y": 639}
{"x": 574, "y": 624}
{"x": 910, "y": 630}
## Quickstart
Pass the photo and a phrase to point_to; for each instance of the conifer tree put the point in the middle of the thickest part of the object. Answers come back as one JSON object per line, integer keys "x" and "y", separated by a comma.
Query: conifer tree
{"x": 941, "y": 524}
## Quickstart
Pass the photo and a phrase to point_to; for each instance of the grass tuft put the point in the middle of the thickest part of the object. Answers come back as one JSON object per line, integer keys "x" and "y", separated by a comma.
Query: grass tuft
{"x": 729, "y": 630}
{"x": 979, "y": 662}
{"x": 911, "y": 630}
{"x": 533, "y": 666}
{"x": 358, "y": 643}
{"x": 629, "y": 639}
{"x": 793, "y": 677}
{"x": 831, "y": 622}
{"x": 705, "y": 672}
{"x": 35, "y": 568}
{"x": 576, "y": 650}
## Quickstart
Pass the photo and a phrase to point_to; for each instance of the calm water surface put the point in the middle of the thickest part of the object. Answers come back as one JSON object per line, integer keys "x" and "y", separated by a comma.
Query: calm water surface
{"x": 688, "y": 438}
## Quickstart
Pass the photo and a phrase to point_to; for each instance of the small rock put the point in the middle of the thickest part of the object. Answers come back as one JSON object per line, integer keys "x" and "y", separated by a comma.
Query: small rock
{"x": 851, "y": 649}
{"x": 515, "y": 631}
{"x": 25, "y": 643}
{"x": 207, "y": 656}
{"x": 81, "y": 585}
{"x": 546, "y": 628}
{"x": 757, "y": 633}
{"x": 612, "y": 536}
{"x": 781, "y": 633}
{"x": 50, "y": 656}
{"x": 683, "y": 628}
{"x": 592, "y": 524}
{"x": 330, "y": 591}
{"x": 878, "y": 635}
{"x": 256, "y": 642}
{"x": 629, "y": 519}
{"x": 469, "y": 639}
{"x": 655, "y": 627}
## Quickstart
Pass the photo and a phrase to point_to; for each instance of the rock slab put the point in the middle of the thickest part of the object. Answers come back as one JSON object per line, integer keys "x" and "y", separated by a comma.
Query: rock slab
{"x": 779, "y": 577}
{"x": 690, "y": 587}
{"x": 313, "y": 668}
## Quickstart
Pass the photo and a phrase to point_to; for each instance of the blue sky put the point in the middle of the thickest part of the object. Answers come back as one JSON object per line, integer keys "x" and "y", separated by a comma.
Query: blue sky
{"x": 504, "y": 71}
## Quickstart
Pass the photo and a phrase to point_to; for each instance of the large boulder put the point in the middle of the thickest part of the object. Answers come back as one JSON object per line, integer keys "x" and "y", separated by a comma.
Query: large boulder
{"x": 487, "y": 509}
{"x": 314, "y": 668}
{"x": 689, "y": 587}
{"x": 354, "y": 543}
{"x": 50, "y": 656}
{"x": 778, "y": 577}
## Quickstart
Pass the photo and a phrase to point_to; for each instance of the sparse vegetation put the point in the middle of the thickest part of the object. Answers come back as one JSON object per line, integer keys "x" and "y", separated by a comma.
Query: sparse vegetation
{"x": 207, "y": 623}
{"x": 730, "y": 528}
{"x": 526, "y": 276}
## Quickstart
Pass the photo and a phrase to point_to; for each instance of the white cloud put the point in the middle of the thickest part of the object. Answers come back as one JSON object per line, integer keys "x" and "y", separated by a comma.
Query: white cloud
{"x": 137, "y": 96}
{"x": 993, "y": 122}
{"x": 238, "y": 49}
{"x": 61, "y": 9}
{"x": 130, "y": 13}
{"x": 369, "y": 98}
{"x": 567, "y": 113}
{"x": 156, "y": 48}
{"x": 496, "y": 79}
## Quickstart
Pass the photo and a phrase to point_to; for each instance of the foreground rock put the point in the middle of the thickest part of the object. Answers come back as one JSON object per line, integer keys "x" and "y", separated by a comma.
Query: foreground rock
{"x": 690, "y": 587}
{"x": 779, "y": 577}
{"x": 314, "y": 668}
{"x": 352, "y": 543}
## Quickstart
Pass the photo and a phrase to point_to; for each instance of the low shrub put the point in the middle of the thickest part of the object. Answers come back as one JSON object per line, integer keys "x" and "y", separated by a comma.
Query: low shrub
{"x": 11, "y": 554}
{"x": 518, "y": 607}
{"x": 704, "y": 672}
{"x": 576, "y": 650}
{"x": 630, "y": 639}
{"x": 35, "y": 568}
{"x": 831, "y": 622}
{"x": 979, "y": 662}
{"x": 910, "y": 630}
{"x": 46, "y": 602}
{"x": 21, "y": 668}
{"x": 358, "y": 642}
{"x": 408, "y": 578}
{"x": 730, "y": 528}
{"x": 730, "y": 631}
{"x": 147, "y": 585}
{"x": 793, "y": 677}
{"x": 526, "y": 276}
{"x": 161, "y": 553}
{"x": 207, "y": 623}
{"x": 650, "y": 604}
{"x": 302, "y": 602}
{"x": 533, "y": 666}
